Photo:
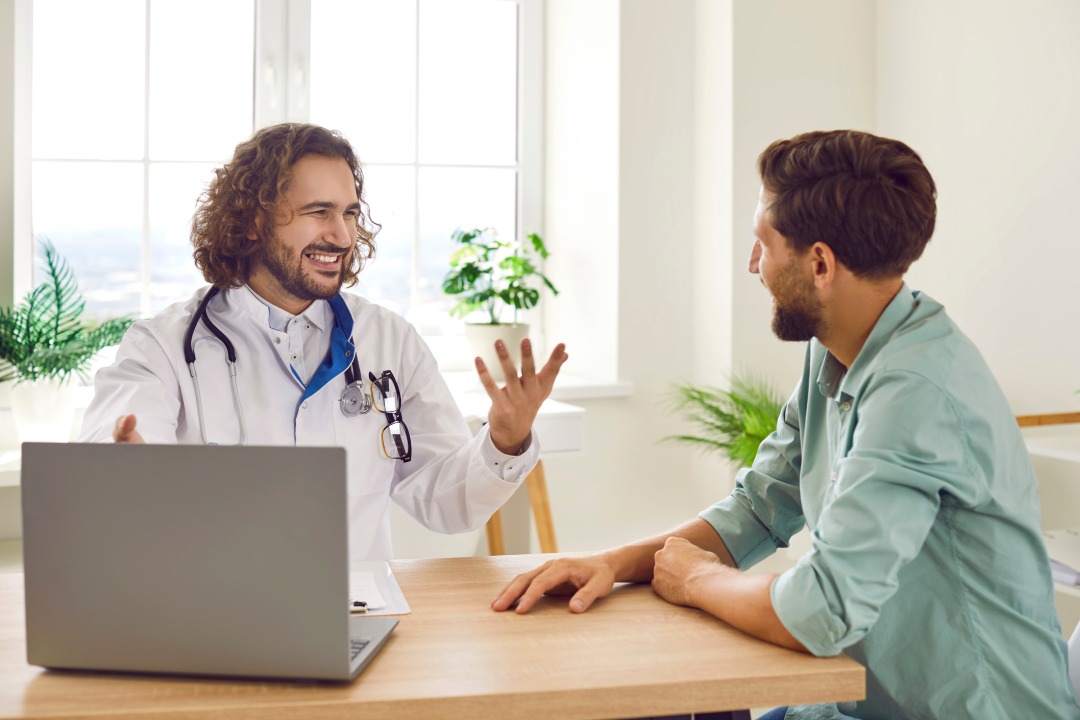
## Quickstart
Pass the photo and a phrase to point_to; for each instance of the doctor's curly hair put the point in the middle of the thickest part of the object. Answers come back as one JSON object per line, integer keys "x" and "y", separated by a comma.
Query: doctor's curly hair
{"x": 250, "y": 185}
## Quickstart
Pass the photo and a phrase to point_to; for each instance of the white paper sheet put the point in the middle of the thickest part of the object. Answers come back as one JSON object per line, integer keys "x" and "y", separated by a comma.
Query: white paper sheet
{"x": 373, "y": 583}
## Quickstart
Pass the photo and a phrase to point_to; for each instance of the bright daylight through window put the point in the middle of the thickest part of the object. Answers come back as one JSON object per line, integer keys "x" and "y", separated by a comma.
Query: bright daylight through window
{"x": 135, "y": 102}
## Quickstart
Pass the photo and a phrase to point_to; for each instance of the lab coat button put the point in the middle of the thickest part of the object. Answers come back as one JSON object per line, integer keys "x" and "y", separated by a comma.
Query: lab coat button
{"x": 845, "y": 406}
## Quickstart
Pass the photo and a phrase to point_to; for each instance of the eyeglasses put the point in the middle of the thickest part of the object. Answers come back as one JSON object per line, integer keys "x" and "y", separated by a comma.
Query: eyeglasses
{"x": 395, "y": 441}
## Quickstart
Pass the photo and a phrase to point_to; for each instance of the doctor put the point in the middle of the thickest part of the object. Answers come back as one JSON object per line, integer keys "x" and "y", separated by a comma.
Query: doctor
{"x": 273, "y": 353}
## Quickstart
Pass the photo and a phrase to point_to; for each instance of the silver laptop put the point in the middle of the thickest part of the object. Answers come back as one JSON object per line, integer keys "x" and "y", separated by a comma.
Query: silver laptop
{"x": 192, "y": 560}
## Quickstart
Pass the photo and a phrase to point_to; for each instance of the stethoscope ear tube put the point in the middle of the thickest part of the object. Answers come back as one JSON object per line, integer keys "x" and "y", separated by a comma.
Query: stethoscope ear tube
{"x": 189, "y": 347}
{"x": 189, "y": 357}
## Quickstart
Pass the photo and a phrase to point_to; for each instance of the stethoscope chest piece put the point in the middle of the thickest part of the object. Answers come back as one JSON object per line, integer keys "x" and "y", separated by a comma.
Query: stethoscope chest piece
{"x": 354, "y": 401}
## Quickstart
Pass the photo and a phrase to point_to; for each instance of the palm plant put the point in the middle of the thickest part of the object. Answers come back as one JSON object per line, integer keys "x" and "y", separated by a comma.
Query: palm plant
{"x": 44, "y": 337}
{"x": 732, "y": 422}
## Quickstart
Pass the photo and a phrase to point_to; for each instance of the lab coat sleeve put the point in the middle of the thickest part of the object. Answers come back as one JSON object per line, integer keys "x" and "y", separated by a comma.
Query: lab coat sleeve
{"x": 449, "y": 486}
{"x": 142, "y": 381}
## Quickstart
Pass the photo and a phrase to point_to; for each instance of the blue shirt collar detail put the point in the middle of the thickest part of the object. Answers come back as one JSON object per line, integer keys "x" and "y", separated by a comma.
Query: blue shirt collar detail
{"x": 341, "y": 348}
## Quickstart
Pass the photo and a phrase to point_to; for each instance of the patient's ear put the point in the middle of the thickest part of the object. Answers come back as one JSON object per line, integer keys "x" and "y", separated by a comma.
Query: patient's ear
{"x": 823, "y": 263}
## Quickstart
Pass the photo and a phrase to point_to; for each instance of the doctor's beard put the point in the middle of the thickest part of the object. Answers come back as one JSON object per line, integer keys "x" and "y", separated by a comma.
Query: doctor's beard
{"x": 288, "y": 270}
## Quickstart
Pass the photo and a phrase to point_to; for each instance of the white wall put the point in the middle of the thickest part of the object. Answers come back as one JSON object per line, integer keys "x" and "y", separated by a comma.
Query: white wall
{"x": 989, "y": 93}
{"x": 798, "y": 66}
{"x": 704, "y": 86}
{"x": 626, "y": 483}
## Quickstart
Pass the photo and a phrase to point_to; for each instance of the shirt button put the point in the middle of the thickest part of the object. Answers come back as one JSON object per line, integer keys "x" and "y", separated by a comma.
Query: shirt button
{"x": 845, "y": 406}
{"x": 303, "y": 404}
{"x": 277, "y": 341}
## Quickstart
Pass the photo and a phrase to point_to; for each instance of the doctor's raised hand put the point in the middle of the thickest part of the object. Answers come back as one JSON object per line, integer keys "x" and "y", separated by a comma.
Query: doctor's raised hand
{"x": 514, "y": 406}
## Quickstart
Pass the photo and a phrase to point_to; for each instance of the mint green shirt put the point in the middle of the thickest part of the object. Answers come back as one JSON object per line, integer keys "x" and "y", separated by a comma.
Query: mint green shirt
{"x": 927, "y": 564}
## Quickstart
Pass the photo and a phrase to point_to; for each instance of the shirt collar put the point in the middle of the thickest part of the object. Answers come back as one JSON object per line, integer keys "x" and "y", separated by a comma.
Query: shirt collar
{"x": 318, "y": 313}
{"x": 834, "y": 380}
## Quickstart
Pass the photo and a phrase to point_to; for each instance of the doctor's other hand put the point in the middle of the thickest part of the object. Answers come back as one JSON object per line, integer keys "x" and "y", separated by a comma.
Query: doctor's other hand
{"x": 514, "y": 407}
{"x": 124, "y": 431}
{"x": 586, "y": 578}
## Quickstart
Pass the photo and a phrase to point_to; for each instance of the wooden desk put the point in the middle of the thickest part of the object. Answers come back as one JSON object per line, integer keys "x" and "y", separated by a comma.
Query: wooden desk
{"x": 631, "y": 655}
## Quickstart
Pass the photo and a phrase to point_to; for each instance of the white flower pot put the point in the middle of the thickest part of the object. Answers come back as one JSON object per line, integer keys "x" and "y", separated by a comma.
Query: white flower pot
{"x": 43, "y": 410}
{"x": 482, "y": 339}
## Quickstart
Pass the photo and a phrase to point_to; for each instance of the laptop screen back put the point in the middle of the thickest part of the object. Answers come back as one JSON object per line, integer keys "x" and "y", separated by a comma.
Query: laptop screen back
{"x": 187, "y": 559}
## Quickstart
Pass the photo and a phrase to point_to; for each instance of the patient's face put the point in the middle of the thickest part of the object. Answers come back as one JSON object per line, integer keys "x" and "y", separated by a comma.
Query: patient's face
{"x": 797, "y": 312}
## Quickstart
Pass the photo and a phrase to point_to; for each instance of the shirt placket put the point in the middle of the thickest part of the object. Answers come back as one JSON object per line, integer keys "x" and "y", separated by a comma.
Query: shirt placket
{"x": 295, "y": 357}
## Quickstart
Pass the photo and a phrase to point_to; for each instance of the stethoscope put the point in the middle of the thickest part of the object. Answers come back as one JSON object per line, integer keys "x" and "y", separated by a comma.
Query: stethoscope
{"x": 353, "y": 401}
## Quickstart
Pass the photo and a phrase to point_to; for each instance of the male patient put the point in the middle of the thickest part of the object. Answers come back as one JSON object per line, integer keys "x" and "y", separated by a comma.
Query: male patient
{"x": 898, "y": 451}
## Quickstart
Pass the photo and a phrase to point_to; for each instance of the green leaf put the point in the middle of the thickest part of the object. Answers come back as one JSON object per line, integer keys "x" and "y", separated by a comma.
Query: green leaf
{"x": 731, "y": 422}
{"x": 507, "y": 271}
{"x": 45, "y": 336}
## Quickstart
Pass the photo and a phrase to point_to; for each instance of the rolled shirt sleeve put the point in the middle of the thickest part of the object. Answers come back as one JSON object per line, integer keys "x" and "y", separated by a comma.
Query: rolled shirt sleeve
{"x": 764, "y": 511}
{"x": 882, "y": 500}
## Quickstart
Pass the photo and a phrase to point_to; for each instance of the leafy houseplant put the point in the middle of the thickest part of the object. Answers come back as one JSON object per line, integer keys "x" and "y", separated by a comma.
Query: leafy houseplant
{"x": 44, "y": 336}
{"x": 732, "y": 422}
{"x": 492, "y": 274}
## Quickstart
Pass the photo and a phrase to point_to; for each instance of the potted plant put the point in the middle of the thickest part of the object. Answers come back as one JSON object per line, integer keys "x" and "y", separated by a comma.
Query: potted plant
{"x": 732, "y": 422}
{"x": 494, "y": 279}
{"x": 44, "y": 342}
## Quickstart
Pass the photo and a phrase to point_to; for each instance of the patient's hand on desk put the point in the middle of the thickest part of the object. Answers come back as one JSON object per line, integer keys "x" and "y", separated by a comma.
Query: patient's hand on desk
{"x": 124, "y": 431}
{"x": 586, "y": 578}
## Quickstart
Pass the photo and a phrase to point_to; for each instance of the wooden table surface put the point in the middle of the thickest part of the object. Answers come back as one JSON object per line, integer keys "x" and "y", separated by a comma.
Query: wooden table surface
{"x": 632, "y": 654}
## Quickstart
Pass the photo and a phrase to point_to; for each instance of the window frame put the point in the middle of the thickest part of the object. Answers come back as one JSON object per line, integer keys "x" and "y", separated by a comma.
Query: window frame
{"x": 282, "y": 39}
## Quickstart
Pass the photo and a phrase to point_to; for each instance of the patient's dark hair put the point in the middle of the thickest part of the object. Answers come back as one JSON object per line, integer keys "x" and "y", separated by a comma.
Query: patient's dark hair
{"x": 250, "y": 185}
{"x": 868, "y": 198}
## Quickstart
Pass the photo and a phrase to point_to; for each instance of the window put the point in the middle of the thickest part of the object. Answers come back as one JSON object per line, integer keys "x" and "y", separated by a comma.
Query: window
{"x": 131, "y": 111}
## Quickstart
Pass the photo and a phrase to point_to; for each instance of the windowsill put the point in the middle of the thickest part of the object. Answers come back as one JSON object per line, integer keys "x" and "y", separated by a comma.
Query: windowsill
{"x": 567, "y": 387}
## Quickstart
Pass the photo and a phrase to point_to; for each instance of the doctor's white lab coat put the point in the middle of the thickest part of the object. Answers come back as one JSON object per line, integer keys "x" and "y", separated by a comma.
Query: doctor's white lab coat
{"x": 453, "y": 484}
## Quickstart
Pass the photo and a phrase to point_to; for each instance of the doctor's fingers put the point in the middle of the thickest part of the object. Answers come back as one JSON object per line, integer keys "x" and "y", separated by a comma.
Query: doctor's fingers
{"x": 548, "y": 373}
{"x": 509, "y": 370}
{"x": 528, "y": 364}
{"x": 124, "y": 430}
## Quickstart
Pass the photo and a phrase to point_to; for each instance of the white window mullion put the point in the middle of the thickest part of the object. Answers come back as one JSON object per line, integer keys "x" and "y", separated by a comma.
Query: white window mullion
{"x": 282, "y": 61}
{"x": 144, "y": 263}
{"x": 22, "y": 245}
{"x": 531, "y": 116}
{"x": 271, "y": 62}
{"x": 299, "y": 53}
{"x": 415, "y": 282}
{"x": 530, "y": 139}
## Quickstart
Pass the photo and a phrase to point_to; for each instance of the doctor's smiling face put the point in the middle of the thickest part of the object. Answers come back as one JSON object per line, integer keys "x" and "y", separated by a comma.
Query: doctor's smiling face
{"x": 315, "y": 224}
